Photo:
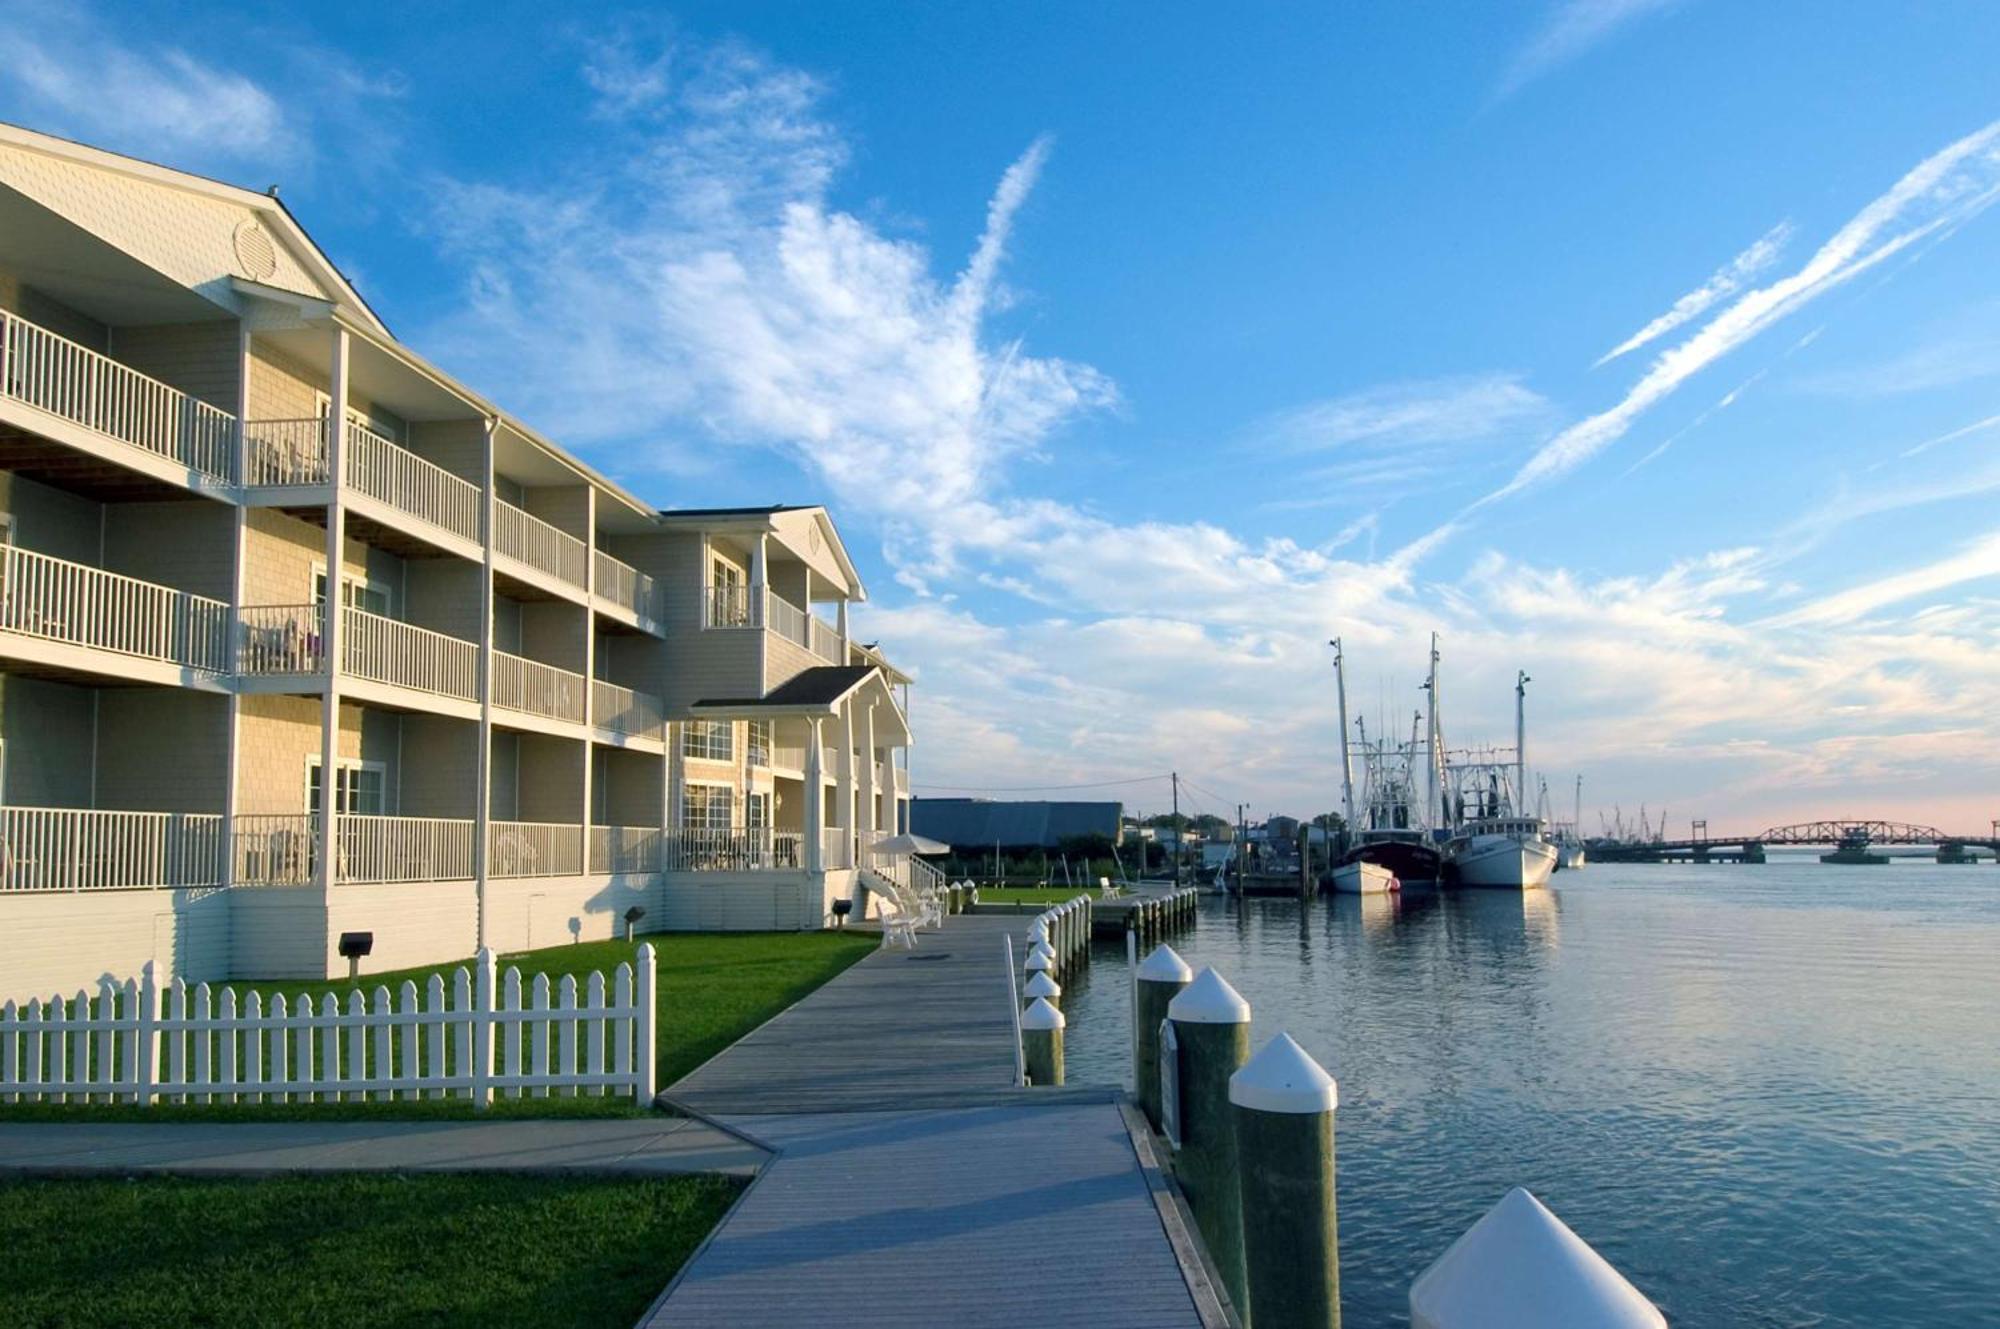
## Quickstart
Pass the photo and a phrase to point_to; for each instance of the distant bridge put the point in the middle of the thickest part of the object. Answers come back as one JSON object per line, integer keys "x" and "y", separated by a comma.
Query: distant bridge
{"x": 1853, "y": 834}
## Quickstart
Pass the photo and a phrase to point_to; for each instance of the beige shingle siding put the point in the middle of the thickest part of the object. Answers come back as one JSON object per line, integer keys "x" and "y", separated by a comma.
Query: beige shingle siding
{"x": 442, "y": 594}
{"x": 278, "y": 733}
{"x": 51, "y": 734}
{"x": 459, "y": 446}
{"x": 552, "y": 632}
{"x": 161, "y": 750}
{"x": 504, "y": 797}
{"x": 187, "y": 236}
{"x": 204, "y": 360}
{"x": 550, "y": 779}
{"x": 627, "y": 788}
{"x": 565, "y": 507}
{"x": 51, "y": 313}
{"x": 438, "y": 766}
{"x": 784, "y": 659}
{"x": 186, "y": 545}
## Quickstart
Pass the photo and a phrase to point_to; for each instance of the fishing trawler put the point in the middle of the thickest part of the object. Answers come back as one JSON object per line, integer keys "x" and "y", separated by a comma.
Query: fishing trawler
{"x": 1494, "y": 842}
{"x": 1389, "y": 841}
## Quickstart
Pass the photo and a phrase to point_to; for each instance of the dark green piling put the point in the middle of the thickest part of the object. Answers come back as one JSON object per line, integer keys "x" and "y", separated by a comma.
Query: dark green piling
{"x": 1212, "y": 1028}
{"x": 1283, "y": 1102}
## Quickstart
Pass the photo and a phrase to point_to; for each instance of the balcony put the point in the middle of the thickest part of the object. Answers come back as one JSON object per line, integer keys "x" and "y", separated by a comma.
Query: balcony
{"x": 292, "y": 453}
{"x": 82, "y": 849}
{"x": 75, "y": 604}
{"x": 534, "y": 688}
{"x": 621, "y": 710}
{"x": 75, "y": 384}
{"x": 734, "y": 607}
{"x": 624, "y": 849}
{"x": 734, "y": 851}
{"x": 534, "y": 849}
{"x": 289, "y": 639}
{"x": 625, "y": 586}
{"x": 528, "y": 540}
{"x": 282, "y": 850}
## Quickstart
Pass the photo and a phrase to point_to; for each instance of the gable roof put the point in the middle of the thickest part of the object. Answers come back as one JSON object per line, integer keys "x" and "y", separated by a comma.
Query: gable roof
{"x": 820, "y": 686}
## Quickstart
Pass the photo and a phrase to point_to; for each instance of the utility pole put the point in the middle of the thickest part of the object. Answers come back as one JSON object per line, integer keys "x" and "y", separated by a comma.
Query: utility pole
{"x": 1178, "y": 843}
{"x": 1242, "y": 849}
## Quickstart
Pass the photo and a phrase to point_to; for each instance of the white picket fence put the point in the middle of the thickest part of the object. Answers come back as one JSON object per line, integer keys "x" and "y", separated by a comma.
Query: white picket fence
{"x": 134, "y": 1043}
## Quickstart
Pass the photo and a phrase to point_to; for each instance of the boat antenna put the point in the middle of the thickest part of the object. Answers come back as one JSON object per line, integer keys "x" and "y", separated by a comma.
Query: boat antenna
{"x": 1346, "y": 764}
{"x": 1521, "y": 682}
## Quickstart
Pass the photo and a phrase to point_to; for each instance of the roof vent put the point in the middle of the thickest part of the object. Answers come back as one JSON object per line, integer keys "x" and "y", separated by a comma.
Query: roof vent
{"x": 256, "y": 256}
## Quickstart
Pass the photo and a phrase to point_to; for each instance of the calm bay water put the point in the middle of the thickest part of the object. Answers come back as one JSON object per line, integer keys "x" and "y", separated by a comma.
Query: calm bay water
{"x": 1769, "y": 1094}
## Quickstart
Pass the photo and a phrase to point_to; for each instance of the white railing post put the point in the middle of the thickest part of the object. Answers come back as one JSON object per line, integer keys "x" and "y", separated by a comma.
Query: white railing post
{"x": 644, "y": 1032}
{"x": 483, "y": 1007}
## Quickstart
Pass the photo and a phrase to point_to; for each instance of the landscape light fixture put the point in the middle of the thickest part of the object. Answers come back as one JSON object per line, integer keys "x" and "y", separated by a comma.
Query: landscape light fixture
{"x": 354, "y": 945}
{"x": 632, "y": 915}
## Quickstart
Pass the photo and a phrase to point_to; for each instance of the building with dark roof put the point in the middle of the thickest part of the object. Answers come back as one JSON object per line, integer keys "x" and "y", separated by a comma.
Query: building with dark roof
{"x": 978, "y": 823}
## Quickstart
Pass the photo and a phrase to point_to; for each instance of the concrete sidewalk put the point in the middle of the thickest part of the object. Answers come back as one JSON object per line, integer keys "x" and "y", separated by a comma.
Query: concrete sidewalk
{"x": 653, "y": 1145}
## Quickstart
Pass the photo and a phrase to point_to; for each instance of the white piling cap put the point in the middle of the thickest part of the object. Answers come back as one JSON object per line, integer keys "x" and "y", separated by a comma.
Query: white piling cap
{"x": 1209, "y": 1000}
{"x": 1041, "y": 1017}
{"x": 1283, "y": 1077}
{"x": 1041, "y": 985}
{"x": 1038, "y": 963}
{"x": 1039, "y": 929}
{"x": 1164, "y": 965}
{"x": 1521, "y": 1266}
{"x": 1042, "y": 948}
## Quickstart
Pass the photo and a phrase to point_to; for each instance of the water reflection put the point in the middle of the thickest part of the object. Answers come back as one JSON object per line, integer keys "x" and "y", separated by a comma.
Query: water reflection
{"x": 1766, "y": 1093}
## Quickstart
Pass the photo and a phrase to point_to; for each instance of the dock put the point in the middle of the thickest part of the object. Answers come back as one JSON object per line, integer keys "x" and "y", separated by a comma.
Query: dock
{"x": 912, "y": 1183}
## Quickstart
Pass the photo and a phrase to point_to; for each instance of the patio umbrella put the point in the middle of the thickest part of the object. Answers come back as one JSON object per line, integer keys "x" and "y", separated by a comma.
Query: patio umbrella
{"x": 897, "y": 845}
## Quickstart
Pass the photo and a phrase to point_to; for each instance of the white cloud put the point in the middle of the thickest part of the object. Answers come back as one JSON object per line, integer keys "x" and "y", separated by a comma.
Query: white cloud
{"x": 1943, "y": 191}
{"x": 1571, "y": 28}
{"x": 1726, "y": 281}
{"x": 1941, "y": 364}
{"x": 65, "y": 68}
{"x": 1977, "y": 561}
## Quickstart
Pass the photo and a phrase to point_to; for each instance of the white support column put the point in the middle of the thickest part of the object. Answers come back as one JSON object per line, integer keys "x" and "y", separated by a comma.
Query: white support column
{"x": 482, "y": 813}
{"x": 760, "y": 578}
{"x": 815, "y": 809}
{"x": 840, "y": 624}
{"x": 865, "y": 821}
{"x": 843, "y": 732}
{"x": 239, "y": 530}
{"x": 336, "y": 542}
{"x": 589, "y": 666}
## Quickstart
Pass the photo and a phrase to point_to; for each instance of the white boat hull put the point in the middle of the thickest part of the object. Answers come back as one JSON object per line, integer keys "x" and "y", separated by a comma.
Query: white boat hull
{"x": 1569, "y": 857}
{"x": 1359, "y": 878}
{"x": 1503, "y": 862}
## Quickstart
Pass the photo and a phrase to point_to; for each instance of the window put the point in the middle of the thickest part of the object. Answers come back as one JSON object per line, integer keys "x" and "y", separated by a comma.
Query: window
{"x": 709, "y": 740}
{"x": 358, "y": 790}
{"x": 355, "y": 592}
{"x": 707, "y": 807}
{"x": 757, "y": 742}
{"x": 729, "y": 606}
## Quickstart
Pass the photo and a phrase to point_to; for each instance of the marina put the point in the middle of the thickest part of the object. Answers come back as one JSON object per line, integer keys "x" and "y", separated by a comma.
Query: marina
{"x": 1766, "y": 1097}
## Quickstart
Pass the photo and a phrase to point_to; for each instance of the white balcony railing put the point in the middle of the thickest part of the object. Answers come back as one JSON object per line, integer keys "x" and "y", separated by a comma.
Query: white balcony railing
{"x": 276, "y": 849}
{"x": 619, "y": 849}
{"x": 529, "y": 685}
{"x": 394, "y": 475}
{"x": 826, "y": 642}
{"x": 281, "y": 639}
{"x": 902, "y": 780}
{"x": 404, "y": 848}
{"x": 836, "y": 847}
{"x": 526, "y": 538}
{"x": 286, "y": 452}
{"x": 86, "y": 849}
{"x": 73, "y": 382}
{"x": 733, "y": 851}
{"x": 727, "y": 607}
{"x": 390, "y": 651}
{"x": 788, "y": 756}
{"x": 787, "y": 620}
{"x": 534, "y": 849}
{"x": 58, "y": 600}
{"x": 623, "y": 584}
{"x": 624, "y": 711}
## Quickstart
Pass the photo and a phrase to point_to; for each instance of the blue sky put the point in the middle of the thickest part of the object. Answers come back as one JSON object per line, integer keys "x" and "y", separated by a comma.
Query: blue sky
{"x": 1141, "y": 348}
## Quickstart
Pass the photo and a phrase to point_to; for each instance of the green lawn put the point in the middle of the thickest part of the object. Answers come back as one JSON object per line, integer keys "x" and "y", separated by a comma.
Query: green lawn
{"x": 354, "y": 1250}
{"x": 712, "y": 989}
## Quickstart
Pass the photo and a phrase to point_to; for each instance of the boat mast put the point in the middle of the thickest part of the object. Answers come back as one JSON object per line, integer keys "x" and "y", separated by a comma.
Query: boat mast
{"x": 1346, "y": 763}
{"x": 1578, "y": 823}
{"x": 1431, "y": 809}
{"x": 1521, "y": 682}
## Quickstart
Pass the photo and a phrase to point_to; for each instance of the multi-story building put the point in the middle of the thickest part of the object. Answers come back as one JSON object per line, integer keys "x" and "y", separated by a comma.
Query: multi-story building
{"x": 299, "y": 636}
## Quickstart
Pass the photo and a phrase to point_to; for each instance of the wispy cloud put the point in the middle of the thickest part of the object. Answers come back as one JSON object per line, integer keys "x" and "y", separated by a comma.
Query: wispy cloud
{"x": 1730, "y": 278}
{"x": 1952, "y": 436}
{"x": 1977, "y": 561}
{"x": 1467, "y": 409}
{"x": 1570, "y": 28}
{"x": 1945, "y": 190}
{"x": 1940, "y": 364}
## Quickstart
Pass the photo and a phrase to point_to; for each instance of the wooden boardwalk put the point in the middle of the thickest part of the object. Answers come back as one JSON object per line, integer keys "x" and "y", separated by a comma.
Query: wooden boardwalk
{"x": 912, "y": 1185}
